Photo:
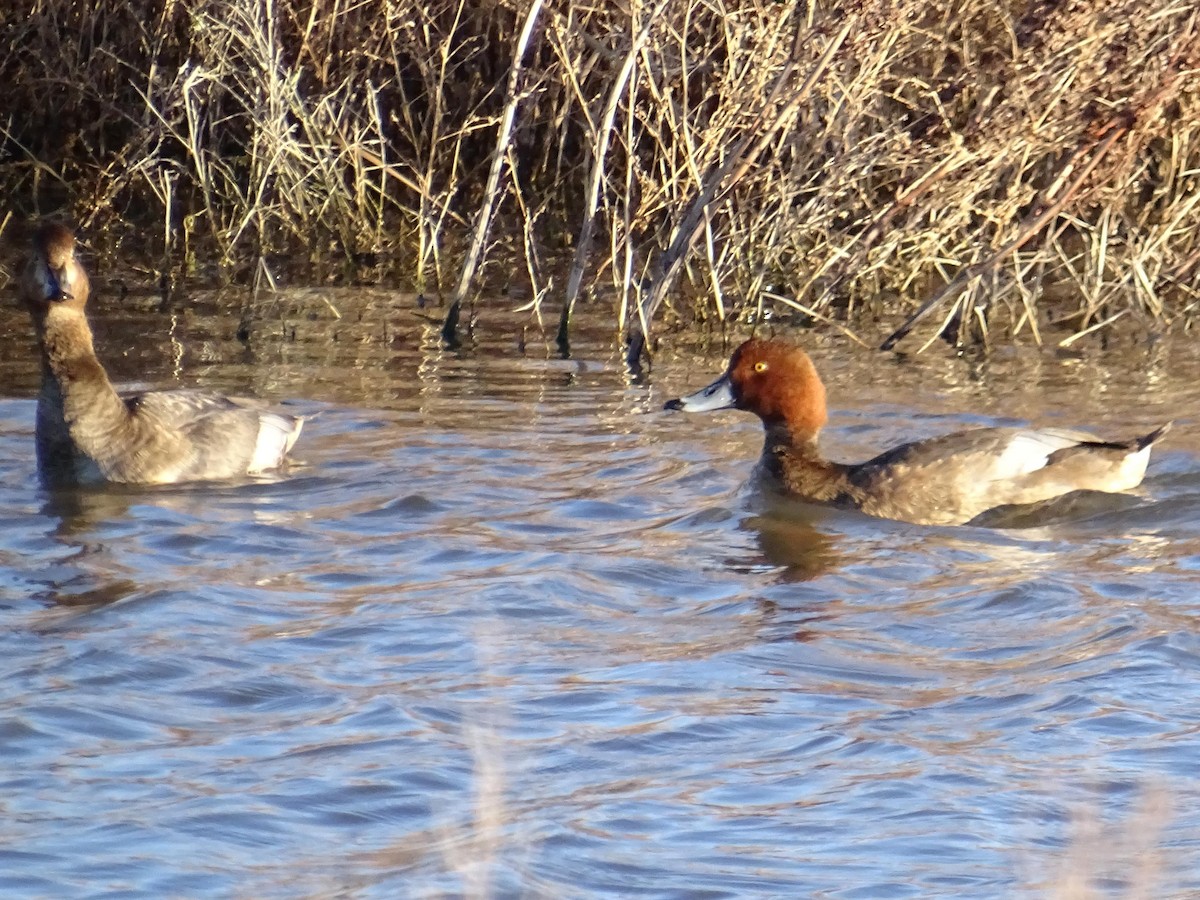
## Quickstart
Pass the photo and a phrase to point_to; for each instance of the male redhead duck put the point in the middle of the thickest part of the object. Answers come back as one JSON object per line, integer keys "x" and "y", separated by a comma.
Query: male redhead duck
{"x": 87, "y": 433}
{"x": 946, "y": 480}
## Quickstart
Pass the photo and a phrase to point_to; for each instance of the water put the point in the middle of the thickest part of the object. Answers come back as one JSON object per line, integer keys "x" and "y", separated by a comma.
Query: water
{"x": 512, "y": 631}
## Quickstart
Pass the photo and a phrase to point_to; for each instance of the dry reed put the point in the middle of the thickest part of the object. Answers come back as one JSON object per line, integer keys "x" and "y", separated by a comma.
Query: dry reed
{"x": 1017, "y": 165}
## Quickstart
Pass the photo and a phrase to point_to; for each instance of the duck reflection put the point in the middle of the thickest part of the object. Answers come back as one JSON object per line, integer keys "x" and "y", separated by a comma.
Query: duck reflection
{"x": 79, "y": 511}
{"x": 787, "y": 537}
{"x": 81, "y": 580}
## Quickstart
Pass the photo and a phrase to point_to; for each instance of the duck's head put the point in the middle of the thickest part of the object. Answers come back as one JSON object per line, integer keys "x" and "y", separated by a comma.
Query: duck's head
{"x": 54, "y": 275}
{"x": 774, "y": 380}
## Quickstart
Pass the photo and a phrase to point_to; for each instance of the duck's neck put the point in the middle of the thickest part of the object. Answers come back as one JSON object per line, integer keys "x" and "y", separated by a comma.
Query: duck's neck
{"x": 795, "y": 462}
{"x": 72, "y": 377}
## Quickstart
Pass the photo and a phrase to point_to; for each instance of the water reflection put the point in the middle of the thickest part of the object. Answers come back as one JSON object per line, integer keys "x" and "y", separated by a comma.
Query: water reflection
{"x": 1076, "y": 506}
{"x": 78, "y": 578}
{"x": 801, "y": 549}
{"x": 511, "y": 631}
{"x": 78, "y": 512}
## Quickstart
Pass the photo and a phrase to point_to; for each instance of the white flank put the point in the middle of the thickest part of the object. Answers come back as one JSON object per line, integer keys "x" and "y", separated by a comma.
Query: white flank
{"x": 276, "y": 434}
{"x": 1133, "y": 470}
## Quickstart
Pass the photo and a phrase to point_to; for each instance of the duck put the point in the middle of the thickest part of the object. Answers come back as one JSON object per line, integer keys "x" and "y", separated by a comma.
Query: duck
{"x": 953, "y": 479}
{"x": 90, "y": 433}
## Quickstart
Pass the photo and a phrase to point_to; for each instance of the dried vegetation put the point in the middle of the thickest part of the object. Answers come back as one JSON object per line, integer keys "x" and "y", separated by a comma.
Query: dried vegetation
{"x": 1013, "y": 163}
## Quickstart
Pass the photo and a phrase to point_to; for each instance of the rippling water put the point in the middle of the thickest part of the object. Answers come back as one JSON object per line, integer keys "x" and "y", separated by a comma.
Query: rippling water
{"x": 512, "y": 631}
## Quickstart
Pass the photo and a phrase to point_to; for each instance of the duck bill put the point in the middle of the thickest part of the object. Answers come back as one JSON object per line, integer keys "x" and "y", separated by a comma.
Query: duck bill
{"x": 54, "y": 285}
{"x": 718, "y": 395}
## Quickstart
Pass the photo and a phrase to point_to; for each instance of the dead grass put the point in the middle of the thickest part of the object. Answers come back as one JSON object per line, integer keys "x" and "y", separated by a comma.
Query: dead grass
{"x": 1018, "y": 166}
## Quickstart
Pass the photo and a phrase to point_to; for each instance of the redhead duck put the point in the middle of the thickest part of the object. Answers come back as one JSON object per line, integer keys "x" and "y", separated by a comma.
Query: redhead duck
{"x": 88, "y": 433}
{"x": 948, "y": 480}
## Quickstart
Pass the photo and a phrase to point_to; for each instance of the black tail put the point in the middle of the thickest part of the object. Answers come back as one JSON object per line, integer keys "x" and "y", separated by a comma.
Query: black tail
{"x": 1146, "y": 440}
{"x": 1133, "y": 445}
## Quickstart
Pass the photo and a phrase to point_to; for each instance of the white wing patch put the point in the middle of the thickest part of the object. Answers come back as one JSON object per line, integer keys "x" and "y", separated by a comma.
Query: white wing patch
{"x": 1028, "y": 451}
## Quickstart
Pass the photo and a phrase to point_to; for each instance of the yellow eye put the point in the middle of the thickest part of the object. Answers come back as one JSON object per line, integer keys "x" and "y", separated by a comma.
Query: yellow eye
{"x": 760, "y": 367}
